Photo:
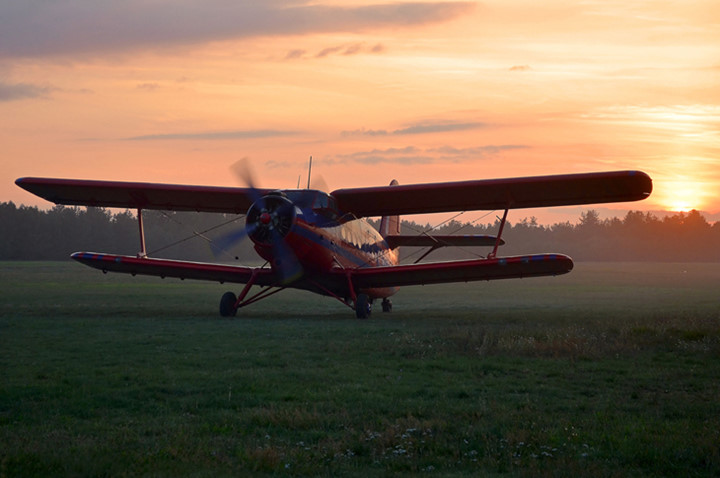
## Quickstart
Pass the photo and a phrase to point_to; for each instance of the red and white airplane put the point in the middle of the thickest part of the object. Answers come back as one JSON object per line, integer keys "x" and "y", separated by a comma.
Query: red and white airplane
{"x": 321, "y": 242}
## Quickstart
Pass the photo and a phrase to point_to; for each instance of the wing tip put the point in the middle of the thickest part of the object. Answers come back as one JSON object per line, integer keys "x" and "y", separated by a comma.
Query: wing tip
{"x": 23, "y": 182}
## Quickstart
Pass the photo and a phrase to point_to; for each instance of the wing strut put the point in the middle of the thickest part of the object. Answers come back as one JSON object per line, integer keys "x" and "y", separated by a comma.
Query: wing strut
{"x": 334, "y": 295}
{"x": 143, "y": 252}
{"x": 243, "y": 301}
{"x": 246, "y": 289}
{"x": 434, "y": 247}
{"x": 353, "y": 295}
{"x": 498, "y": 240}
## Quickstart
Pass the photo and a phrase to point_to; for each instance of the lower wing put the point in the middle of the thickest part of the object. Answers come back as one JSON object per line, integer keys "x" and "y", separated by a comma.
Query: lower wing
{"x": 178, "y": 269}
{"x": 462, "y": 271}
{"x": 362, "y": 278}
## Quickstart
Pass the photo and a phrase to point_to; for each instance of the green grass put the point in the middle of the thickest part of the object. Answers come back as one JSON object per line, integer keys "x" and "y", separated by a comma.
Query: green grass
{"x": 612, "y": 370}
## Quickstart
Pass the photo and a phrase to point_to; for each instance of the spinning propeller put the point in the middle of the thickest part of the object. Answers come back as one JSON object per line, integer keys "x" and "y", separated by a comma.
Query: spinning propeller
{"x": 267, "y": 223}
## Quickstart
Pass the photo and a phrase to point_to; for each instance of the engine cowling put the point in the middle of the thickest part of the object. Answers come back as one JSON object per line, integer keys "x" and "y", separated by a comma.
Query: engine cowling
{"x": 270, "y": 218}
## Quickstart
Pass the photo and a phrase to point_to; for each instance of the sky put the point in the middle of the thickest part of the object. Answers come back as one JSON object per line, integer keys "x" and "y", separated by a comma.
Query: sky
{"x": 176, "y": 91}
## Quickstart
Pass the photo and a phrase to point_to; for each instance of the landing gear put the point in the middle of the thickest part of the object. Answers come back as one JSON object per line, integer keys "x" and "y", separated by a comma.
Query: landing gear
{"x": 227, "y": 305}
{"x": 363, "y": 306}
{"x": 387, "y": 305}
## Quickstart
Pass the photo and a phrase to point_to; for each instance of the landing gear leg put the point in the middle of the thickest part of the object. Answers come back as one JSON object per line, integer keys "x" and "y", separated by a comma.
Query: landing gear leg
{"x": 387, "y": 305}
{"x": 227, "y": 305}
{"x": 363, "y": 306}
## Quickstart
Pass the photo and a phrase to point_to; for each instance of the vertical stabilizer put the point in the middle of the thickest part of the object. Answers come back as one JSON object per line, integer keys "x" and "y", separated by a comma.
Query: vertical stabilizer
{"x": 390, "y": 225}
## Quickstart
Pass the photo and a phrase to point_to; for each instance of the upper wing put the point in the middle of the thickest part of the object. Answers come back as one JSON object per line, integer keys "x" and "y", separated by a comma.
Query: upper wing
{"x": 172, "y": 197}
{"x": 462, "y": 271}
{"x": 178, "y": 269}
{"x": 511, "y": 193}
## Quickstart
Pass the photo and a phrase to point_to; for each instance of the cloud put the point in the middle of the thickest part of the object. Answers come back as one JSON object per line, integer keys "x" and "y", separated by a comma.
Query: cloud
{"x": 353, "y": 49}
{"x": 422, "y": 128}
{"x": 344, "y": 50}
{"x": 328, "y": 51}
{"x": 477, "y": 152}
{"x": 365, "y": 132}
{"x": 31, "y": 28}
{"x": 520, "y": 68}
{"x": 438, "y": 128}
{"x": 148, "y": 86}
{"x": 414, "y": 155}
{"x": 295, "y": 54}
{"x": 20, "y": 91}
{"x": 214, "y": 135}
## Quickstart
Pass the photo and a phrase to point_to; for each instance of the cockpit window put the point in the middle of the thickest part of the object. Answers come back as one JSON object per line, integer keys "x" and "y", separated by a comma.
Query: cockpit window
{"x": 321, "y": 201}
{"x": 325, "y": 204}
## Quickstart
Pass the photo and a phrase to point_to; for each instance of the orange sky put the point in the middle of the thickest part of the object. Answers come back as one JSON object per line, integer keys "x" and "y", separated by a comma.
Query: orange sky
{"x": 176, "y": 91}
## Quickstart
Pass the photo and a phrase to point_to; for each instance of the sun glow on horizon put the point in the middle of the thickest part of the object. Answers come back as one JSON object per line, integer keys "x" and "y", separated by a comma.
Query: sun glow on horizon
{"x": 682, "y": 195}
{"x": 682, "y": 207}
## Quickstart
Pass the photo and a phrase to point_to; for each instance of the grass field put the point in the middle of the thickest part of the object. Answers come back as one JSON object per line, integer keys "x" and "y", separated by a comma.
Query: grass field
{"x": 612, "y": 370}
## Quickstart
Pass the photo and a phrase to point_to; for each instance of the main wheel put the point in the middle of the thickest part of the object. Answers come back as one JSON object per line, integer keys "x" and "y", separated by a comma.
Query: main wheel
{"x": 227, "y": 305}
{"x": 387, "y": 305}
{"x": 362, "y": 306}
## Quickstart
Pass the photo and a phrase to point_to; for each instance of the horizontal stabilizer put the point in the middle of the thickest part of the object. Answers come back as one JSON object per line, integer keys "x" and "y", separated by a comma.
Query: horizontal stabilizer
{"x": 462, "y": 271}
{"x": 424, "y": 240}
{"x": 177, "y": 269}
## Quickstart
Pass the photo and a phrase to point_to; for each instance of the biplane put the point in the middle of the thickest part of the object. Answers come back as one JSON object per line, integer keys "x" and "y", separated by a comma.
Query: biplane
{"x": 322, "y": 242}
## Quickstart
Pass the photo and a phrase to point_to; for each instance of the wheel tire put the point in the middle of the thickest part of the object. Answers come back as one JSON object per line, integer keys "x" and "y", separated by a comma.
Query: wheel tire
{"x": 387, "y": 305}
{"x": 227, "y": 305}
{"x": 362, "y": 306}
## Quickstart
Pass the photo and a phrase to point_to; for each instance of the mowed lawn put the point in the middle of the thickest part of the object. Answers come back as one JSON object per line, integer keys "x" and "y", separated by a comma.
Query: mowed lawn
{"x": 612, "y": 370}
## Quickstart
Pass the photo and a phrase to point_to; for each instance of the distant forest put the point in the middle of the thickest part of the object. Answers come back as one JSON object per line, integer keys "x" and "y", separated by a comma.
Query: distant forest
{"x": 29, "y": 233}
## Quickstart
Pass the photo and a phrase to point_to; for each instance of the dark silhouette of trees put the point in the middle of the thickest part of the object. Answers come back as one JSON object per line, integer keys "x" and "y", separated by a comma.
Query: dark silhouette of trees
{"x": 28, "y": 233}
{"x": 639, "y": 236}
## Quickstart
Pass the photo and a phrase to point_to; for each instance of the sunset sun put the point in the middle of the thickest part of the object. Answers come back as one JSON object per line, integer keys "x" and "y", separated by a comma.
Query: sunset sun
{"x": 682, "y": 196}
{"x": 681, "y": 206}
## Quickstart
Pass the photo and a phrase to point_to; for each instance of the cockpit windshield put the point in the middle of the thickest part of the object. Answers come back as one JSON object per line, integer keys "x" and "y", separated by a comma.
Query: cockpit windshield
{"x": 320, "y": 203}
{"x": 325, "y": 205}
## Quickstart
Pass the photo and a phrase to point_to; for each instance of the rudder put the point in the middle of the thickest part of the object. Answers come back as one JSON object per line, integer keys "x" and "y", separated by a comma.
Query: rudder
{"x": 390, "y": 225}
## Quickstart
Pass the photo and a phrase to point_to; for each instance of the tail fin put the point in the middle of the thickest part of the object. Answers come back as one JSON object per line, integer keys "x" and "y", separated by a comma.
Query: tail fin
{"x": 390, "y": 225}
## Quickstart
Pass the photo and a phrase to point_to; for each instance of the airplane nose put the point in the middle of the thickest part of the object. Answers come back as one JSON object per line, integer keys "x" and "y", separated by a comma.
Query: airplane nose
{"x": 270, "y": 218}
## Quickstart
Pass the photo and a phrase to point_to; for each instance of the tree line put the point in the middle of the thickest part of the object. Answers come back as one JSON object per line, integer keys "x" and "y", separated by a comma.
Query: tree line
{"x": 29, "y": 233}
{"x": 639, "y": 236}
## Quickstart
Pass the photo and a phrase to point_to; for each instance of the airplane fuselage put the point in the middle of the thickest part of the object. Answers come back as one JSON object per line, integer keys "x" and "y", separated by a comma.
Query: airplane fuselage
{"x": 322, "y": 239}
